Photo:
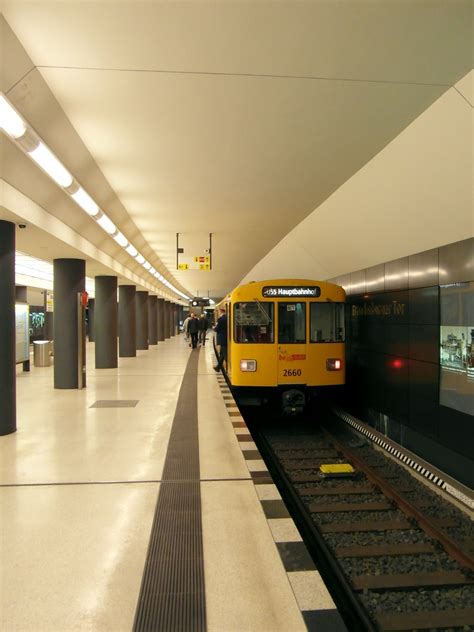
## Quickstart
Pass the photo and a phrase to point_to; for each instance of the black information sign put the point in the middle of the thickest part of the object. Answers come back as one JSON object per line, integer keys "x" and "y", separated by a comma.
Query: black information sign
{"x": 291, "y": 291}
{"x": 199, "y": 301}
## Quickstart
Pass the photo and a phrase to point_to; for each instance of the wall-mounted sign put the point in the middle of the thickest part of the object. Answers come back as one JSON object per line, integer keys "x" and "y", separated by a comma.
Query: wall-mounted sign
{"x": 395, "y": 308}
{"x": 202, "y": 259}
{"x": 183, "y": 266}
{"x": 49, "y": 302}
{"x": 204, "y": 266}
{"x": 290, "y": 291}
{"x": 22, "y": 333}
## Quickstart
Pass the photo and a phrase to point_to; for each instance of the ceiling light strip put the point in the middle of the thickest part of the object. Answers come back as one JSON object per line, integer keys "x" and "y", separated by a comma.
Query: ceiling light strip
{"x": 13, "y": 124}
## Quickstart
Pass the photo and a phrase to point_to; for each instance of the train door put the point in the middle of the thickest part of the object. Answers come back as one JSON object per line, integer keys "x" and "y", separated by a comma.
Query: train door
{"x": 228, "y": 312}
{"x": 291, "y": 342}
{"x": 326, "y": 343}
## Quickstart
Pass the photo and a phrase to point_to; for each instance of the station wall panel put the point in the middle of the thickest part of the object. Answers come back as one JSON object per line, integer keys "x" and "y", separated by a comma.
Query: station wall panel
{"x": 393, "y": 353}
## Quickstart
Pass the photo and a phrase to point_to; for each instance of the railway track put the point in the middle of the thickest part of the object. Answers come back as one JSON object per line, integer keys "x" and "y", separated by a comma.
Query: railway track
{"x": 395, "y": 554}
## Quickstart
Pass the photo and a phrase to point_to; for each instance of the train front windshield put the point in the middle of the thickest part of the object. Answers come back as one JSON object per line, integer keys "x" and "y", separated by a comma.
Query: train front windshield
{"x": 292, "y": 323}
{"x": 327, "y": 322}
{"x": 253, "y": 322}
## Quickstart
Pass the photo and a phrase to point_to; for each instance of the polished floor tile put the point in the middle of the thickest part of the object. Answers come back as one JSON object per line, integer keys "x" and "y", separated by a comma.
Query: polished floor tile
{"x": 80, "y": 484}
{"x": 219, "y": 453}
{"x": 246, "y": 587}
{"x": 60, "y": 438}
{"x": 310, "y": 590}
{"x": 73, "y": 555}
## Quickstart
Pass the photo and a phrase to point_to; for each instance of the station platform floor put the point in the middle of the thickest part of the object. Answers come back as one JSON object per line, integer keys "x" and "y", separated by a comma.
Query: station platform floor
{"x": 140, "y": 503}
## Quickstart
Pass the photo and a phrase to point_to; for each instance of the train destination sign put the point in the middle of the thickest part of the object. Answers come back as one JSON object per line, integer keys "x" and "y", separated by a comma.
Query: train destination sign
{"x": 291, "y": 291}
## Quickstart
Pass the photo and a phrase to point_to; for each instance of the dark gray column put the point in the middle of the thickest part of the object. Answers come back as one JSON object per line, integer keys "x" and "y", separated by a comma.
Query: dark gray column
{"x": 69, "y": 279}
{"x": 160, "y": 308}
{"x": 141, "y": 307}
{"x": 172, "y": 328}
{"x": 167, "y": 319}
{"x": 170, "y": 322}
{"x": 91, "y": 310}
{"x": 152, "y": 321}
{"x": 7, "y": 329}
{"x": 49, "y": 325}
{"x": 106, "y": 322}
{"x": 127, "y": 322}
{"x": 175, "y": 319}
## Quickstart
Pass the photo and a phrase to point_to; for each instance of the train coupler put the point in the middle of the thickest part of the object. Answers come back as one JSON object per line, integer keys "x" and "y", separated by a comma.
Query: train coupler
{"x": 292, "y": 402}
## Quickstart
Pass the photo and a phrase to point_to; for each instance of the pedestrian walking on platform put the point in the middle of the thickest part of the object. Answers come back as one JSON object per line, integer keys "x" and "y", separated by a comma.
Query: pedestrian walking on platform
{"x": 221, "y": 339}
{"x": 193, "y": 329}
{"x": 185, "y": 328}
{"x": 203, "y": 326}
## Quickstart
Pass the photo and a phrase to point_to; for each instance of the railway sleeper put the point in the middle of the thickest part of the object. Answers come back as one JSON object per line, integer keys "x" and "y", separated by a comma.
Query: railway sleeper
{"x": 409, "y": 580}
{"x": 425, "y": 620}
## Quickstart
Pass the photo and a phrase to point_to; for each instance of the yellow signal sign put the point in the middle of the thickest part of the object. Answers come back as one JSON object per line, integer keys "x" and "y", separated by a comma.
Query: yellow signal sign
{"x": 183, "y": 266}
{"x": 201, "y": 260}
{"x": 204, "y": 266}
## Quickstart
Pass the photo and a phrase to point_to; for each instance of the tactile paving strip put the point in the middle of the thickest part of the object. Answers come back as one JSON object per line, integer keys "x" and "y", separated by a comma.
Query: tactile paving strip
{"x": 172, "y": 595}
{"x": 317, "y": 607}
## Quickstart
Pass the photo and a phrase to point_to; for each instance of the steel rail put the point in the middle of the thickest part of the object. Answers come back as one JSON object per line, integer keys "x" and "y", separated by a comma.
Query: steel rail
{"x": 406, "y": 506}
{"x": 354, "y": 614}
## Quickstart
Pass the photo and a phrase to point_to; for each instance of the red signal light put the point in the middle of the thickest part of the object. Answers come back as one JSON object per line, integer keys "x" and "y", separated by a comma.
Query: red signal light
{"x": 397, "y": 364}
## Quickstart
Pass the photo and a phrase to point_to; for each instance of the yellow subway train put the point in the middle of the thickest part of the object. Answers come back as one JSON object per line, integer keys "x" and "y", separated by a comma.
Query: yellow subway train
{"x": 285, "y": 341}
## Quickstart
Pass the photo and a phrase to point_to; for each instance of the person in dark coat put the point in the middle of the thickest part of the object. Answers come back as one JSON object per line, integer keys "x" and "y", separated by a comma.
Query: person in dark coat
{"x": 221, "y": 339}
{"x": 203, "y": 326}
{"x": 193, "y": 330}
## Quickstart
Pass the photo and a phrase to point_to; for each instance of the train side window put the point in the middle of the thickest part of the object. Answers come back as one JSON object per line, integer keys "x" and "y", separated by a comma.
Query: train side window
{"x": 291, "y": 323}
{"x": 327, "y": 322}
{"x": 253, "y": 322}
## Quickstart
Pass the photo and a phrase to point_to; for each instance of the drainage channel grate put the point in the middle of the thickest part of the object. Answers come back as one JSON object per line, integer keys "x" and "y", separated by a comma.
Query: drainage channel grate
{"x": 172, "y": 595}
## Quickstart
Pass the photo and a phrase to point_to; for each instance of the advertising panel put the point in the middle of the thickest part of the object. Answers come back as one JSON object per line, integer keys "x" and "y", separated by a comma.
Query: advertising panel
{"x": 457, "y": 347}
{"x": 22, "y": 334}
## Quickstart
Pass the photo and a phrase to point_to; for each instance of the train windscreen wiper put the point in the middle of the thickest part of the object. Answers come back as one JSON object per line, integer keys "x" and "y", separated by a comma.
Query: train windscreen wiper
{"x": 265, "y": 314}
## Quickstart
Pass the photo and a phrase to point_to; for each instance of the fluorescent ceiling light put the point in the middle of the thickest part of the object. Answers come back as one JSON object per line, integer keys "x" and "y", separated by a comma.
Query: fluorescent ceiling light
{"x": 121, "y": 239}
{"x": 10, "y": 121}
{"x": 85, "y": 202}
{"x": 48, "y": 161}
{"x": 107, "y": 224}
{"x": 132, "y": 251}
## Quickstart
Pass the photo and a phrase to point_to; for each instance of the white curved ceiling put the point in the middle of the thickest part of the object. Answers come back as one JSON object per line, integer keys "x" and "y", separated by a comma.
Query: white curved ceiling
{"x": 233, "y": 118}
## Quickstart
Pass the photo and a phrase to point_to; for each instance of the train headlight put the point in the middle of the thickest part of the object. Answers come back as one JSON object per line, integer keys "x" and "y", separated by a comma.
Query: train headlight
{"x": 248, "y": 365}
{"x": 334, "y": 364}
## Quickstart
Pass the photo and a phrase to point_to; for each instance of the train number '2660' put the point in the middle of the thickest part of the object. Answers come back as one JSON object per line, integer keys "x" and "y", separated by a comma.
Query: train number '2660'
{"x": 291, "y": 372}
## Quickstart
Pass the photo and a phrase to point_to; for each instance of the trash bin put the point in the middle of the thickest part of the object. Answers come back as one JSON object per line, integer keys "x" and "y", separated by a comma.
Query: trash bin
{"x": 41, "y": 353}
